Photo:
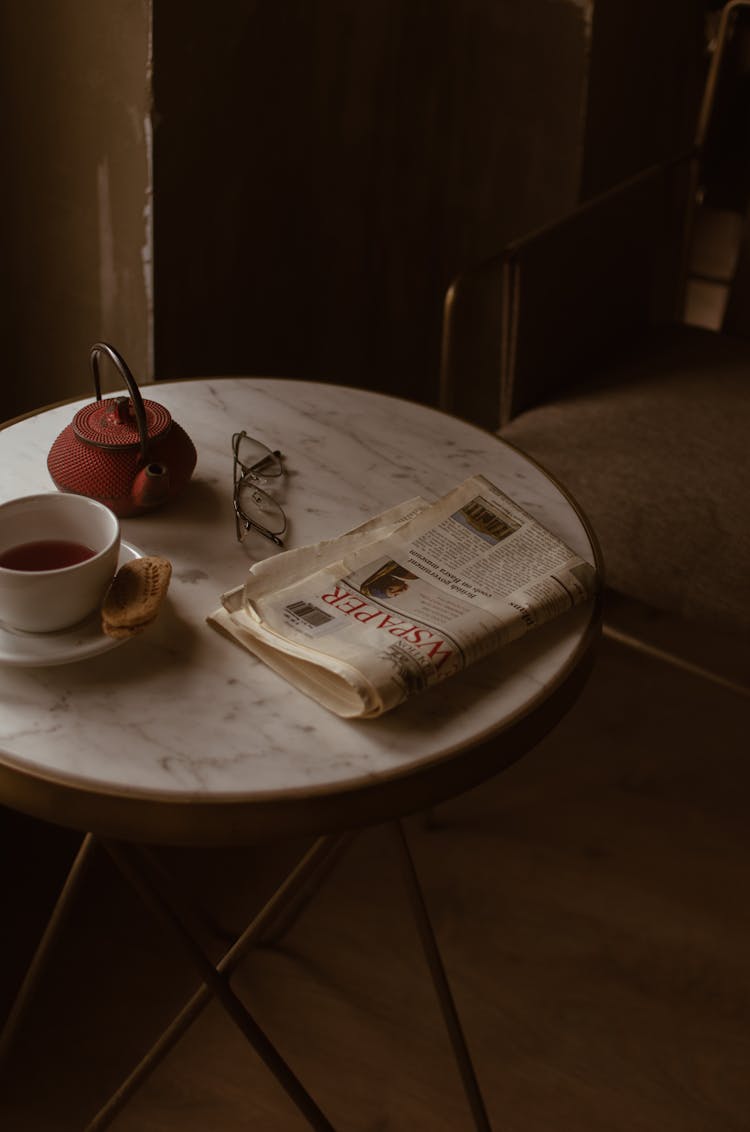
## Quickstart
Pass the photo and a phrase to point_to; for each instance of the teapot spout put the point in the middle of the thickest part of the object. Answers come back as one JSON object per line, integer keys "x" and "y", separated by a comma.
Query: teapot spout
{"x": 151, "y": 486}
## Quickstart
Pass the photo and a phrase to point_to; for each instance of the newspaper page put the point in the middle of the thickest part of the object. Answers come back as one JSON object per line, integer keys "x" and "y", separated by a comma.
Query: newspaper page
{"x": 364, "y": 621}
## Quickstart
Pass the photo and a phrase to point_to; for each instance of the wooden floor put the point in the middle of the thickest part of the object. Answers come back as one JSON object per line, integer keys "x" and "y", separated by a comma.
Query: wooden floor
{"x": 592, "y": 908}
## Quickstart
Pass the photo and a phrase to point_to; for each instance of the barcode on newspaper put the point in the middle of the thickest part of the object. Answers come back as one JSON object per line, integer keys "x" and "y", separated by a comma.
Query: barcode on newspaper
{"x": 485, "y": 520}
{"x": 309, "y": 613}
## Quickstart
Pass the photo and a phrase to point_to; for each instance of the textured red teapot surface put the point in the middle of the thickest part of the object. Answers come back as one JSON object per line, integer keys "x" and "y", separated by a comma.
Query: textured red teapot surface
{"x": 113, "y": 423}
{"x": 101, "y": 454}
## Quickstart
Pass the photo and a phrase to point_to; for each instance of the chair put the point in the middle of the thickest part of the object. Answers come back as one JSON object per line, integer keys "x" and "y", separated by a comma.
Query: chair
{"x": 570, "y": 344}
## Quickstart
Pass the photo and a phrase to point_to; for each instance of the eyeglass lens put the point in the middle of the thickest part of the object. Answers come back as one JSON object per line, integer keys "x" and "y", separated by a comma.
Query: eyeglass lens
{"x": 258, "y": 506}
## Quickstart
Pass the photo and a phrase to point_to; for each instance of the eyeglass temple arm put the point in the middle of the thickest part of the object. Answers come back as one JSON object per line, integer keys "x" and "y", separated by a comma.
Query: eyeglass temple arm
{"x": 261, "y": 463}
{"x": 243, "y": 521}
{"x": 261, "y": 530}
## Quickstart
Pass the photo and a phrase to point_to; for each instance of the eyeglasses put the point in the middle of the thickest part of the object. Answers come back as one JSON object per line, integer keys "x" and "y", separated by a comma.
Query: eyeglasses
{"x": 253, "y": 507}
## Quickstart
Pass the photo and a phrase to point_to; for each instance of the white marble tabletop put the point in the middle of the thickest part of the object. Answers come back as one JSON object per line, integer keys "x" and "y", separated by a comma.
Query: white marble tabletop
{"x": 180, "y": 713}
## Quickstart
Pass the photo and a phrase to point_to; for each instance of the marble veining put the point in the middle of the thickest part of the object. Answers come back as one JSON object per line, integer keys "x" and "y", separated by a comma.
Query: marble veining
{"x": 183, "y": 712}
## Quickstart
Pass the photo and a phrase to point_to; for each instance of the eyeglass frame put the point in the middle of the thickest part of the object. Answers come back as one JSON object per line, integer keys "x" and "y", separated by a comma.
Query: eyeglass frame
{"x": 243, "y": 524}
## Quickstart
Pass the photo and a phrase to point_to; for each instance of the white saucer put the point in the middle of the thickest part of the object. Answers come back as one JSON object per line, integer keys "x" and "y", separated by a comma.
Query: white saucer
{"x": 37, "y": 650}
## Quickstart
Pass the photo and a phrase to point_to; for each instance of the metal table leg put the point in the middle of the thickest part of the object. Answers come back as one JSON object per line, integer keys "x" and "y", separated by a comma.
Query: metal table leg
{"x": 142, "y": 871}
{"x": 294, "y": 888}
{"x": 440, "y": 981}
{"x": 133, "y": 862}
{"x": 45, "y": 945}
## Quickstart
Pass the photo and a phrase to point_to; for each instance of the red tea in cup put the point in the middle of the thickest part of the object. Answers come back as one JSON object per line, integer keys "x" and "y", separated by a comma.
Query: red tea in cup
{"x": 45, "y": 554}
{"x": 58, "y": 555}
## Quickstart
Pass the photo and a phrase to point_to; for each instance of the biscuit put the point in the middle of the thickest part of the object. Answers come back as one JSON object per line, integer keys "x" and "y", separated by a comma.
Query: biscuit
{"x": 135, "y": 595}
{"x": 124, "y": 634}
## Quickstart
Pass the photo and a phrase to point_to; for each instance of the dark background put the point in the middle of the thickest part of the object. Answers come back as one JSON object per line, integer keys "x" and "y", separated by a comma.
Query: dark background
{"x": 288, "y": 186}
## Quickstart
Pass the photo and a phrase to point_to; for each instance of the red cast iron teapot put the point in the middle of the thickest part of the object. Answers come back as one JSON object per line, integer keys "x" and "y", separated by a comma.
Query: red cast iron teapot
{"x": 126, "y": 452}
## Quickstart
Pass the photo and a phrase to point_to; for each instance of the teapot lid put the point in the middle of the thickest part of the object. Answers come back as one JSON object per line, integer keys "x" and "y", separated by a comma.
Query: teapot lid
{"x": 113, "y": 423}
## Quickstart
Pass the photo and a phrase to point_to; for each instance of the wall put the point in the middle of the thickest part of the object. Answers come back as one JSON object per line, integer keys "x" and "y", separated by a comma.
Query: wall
{"x": 323, "y": 168}
{"x": 74, "y": 104}
{"x": 646, "y": 76}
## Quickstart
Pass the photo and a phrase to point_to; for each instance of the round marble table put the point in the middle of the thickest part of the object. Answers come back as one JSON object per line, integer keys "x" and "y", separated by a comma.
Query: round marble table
{"x": 180, "y": 736}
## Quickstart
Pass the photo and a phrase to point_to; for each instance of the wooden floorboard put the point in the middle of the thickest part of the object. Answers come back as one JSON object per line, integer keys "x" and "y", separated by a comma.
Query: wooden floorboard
{"x": 591, "y": 905}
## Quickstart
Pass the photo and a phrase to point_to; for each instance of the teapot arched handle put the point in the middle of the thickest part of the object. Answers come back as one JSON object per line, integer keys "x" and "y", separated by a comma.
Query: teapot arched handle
{"x": 135, "y": 393}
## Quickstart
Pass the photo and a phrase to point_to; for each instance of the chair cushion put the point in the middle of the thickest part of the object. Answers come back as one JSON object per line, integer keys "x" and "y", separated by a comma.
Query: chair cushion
{"x": 654, "y": 448}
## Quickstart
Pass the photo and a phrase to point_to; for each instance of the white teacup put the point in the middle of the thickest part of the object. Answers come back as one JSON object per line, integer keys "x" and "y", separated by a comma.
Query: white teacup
{"x": 58, "y": 555}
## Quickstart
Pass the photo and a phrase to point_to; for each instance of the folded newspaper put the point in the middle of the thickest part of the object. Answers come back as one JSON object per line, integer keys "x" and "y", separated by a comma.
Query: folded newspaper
{"x": 366, "y": 620}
